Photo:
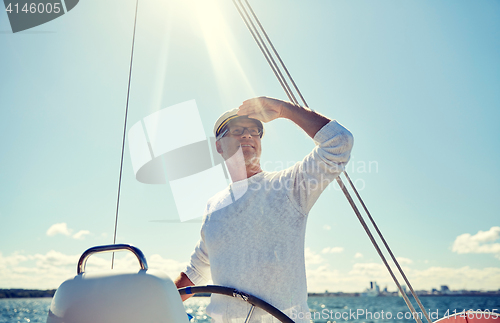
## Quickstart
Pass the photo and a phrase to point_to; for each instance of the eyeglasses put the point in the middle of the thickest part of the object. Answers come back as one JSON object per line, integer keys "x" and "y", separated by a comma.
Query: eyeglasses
{"x": 238, "y": 131}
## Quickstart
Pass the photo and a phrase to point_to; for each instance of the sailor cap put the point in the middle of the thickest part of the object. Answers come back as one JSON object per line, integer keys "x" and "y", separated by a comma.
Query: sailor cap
{"x": 228, "y": 116}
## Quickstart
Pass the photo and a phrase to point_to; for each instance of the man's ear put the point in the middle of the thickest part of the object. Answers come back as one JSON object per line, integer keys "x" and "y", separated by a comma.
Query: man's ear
{"x": 218, "y": 146}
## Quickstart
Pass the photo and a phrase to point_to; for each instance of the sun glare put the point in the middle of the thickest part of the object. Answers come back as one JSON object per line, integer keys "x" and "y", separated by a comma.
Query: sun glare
{"x": 219, "y": 40}
{"x": 211, "y": 22}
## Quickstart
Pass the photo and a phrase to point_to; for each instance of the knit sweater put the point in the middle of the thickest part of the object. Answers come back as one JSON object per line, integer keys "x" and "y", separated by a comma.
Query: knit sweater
{"x": 252, "y": 236}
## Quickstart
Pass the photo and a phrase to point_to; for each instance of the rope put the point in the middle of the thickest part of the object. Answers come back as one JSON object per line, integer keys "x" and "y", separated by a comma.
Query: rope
{"x": 388, "y": 249}
{"x": 367, "y": 230}
{"x": 276, "y": 69}
{"x": 124, "y": 134}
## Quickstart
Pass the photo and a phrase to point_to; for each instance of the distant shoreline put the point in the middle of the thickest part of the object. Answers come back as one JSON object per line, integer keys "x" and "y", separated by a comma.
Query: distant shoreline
{"x": 26, "y": 293}
{"x": 36, "y": 293}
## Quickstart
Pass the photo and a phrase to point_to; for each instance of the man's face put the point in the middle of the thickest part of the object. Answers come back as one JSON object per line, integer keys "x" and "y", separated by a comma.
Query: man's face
{"x": 250, "y": 145}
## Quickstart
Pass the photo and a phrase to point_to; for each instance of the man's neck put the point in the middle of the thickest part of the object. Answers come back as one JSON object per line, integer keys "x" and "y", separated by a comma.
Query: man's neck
{"x": 239, "y": 171}
{"x": 253, "y": 170}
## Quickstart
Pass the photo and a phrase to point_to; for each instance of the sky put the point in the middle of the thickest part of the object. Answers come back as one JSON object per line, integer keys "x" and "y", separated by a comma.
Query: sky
{"x": 416, "y": 82}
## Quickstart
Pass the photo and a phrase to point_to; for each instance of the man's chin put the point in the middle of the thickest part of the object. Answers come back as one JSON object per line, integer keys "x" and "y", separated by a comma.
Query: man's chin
{"x": 251, "y": 160}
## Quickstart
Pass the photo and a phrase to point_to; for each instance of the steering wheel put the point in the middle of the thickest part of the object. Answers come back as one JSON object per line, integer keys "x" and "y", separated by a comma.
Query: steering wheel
{"x": 254, "y": 301}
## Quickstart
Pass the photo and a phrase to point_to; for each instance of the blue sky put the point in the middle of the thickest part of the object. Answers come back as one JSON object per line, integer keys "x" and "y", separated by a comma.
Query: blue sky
{"x": 416, "y": 82}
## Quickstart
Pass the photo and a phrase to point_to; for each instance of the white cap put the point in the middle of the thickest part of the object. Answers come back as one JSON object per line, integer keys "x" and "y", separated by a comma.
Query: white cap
{"x": 228, "y": 116}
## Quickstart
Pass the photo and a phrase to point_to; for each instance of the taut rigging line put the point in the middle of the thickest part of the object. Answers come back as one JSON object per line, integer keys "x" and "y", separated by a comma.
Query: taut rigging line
{"x": 276, "y": 69}
{"x": 124, "y": 133}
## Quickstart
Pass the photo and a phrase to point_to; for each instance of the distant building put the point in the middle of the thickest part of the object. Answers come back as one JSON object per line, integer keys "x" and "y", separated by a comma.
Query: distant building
{"x": 403, "y": 287}
{"x": 373, "y": 291}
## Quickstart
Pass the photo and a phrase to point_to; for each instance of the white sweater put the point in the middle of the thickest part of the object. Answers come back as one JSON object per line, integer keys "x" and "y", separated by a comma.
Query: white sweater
{"x": 256, "y": 242}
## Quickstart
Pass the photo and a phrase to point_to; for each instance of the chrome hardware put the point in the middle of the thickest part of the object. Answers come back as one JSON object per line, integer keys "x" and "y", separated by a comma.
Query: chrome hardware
{"x": 240, "y": 295}
{"x": 108, "y": 248}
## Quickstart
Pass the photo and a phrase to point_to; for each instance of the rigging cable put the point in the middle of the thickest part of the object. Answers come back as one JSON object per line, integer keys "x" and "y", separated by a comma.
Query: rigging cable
{"x": 372, "y": 239}
{"x": 286, "y": 88}
{"x": 124, "y": 134}
{"x": 387, "y": 246}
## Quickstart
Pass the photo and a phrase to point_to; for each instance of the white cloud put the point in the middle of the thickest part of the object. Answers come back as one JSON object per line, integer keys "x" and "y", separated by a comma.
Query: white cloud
{"x": 128, "y": 262}
{"x": 10, "y": 261}
{"x": 478, "y": 243}
{"x": 327, "y": 227}
{"x": 58, "y": 228}
{"x": 62, "y": 228}
{"x": 80, "y": 235}
{"x": 456, "y": 278}
{"x": 369, "y": 270}
{"x": 169, "y": 266}
{"x": 42, "y": 271}
{"x": 53, "y": 259}
{"x": 332, "y": 250}
{"x": 312, "y": 258}
{"x": 323, "y": 277}
{"x": 47, "y": 271}
{"x": 404, "y": 261}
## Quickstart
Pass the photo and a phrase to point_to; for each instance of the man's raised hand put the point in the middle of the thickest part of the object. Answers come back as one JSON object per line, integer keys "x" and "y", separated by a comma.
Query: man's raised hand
{"x": 263, "y": 108}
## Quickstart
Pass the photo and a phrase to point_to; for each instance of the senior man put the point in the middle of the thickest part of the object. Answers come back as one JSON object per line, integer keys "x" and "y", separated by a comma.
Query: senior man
{"x": 252, "y": 236}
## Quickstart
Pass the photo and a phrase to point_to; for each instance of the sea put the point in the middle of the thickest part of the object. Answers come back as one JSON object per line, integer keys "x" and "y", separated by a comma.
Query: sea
{"x": 322, "y": 309}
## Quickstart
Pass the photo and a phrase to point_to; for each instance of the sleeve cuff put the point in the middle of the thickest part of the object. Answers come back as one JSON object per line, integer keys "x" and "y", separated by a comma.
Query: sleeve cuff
{"x": 195, "y": 277}
{"x": 329, "y": 131}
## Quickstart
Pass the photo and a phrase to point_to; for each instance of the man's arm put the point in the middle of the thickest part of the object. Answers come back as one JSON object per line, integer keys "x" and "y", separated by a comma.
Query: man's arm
{"x": 267, "y": 109}
{"x": 312, "y": 175}
{"x": 198, "y": 269}
{"x": 183, "y": 281}
{"x": 311, "y": 122}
